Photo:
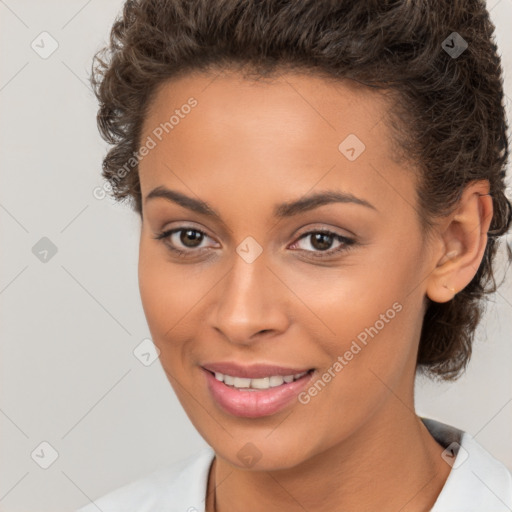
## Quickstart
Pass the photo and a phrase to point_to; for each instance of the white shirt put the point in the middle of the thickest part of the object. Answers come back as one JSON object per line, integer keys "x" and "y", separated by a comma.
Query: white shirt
{"x": 477, "y": 481}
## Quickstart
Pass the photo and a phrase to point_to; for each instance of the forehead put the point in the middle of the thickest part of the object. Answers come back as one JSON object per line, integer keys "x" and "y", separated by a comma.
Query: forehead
{"x": 302, "y": 103}
{"x": 292, "y": 132}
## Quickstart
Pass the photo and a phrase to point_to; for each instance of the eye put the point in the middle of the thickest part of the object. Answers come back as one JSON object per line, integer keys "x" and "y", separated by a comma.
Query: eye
{"x": 188, "y": 237}
{"x": 322, "y": 240}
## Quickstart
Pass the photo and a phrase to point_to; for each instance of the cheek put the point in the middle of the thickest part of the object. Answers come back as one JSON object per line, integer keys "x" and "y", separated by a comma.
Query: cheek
{"x": 171, "y": 296}
{"x": 161, "y": 290}
{"x": 362, "y": 313}
{"x": 377, "y": 349}
{"x": 154, "y": 287}
{"x": 342, "y": 304}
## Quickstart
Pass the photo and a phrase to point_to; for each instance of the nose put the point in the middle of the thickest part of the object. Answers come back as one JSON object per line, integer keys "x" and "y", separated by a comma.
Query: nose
{"x": 251, "y": 303}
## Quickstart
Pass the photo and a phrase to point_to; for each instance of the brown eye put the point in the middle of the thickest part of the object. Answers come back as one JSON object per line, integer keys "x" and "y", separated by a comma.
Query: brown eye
{"x": 191, "y": 237}
{"x": 321, "y": 242}
{"x": 185, "y": 241}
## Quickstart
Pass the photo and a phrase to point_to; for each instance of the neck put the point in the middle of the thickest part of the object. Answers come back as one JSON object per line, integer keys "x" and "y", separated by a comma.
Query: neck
{"x": 392, "y": 463}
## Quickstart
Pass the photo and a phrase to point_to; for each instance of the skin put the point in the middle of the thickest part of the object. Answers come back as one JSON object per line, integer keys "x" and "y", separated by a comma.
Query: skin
{"x": 244, "y": 148}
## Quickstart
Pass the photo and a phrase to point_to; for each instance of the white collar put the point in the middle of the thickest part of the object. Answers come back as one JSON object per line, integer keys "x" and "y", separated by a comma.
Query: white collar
{"x": 477, "y": 481}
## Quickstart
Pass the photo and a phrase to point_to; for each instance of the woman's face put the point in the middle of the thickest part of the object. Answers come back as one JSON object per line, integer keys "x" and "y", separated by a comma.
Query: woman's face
{"x": 258, "y": 283}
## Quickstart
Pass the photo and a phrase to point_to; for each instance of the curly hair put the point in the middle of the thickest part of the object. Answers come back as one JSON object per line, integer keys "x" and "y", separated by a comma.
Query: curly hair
{"x": 448, "y": 116}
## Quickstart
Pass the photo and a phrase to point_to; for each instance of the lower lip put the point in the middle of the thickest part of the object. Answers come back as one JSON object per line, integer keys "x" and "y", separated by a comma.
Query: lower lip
{"x": 257, "y": 403}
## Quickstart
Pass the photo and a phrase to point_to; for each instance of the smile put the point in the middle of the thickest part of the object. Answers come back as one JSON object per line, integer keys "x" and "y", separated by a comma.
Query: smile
{"x": 255, "y": 384}
{"x": 253, "y": 397}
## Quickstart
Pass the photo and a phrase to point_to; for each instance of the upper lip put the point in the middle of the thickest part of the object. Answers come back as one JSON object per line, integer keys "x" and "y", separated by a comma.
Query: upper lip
{"x": 253, "y": 371}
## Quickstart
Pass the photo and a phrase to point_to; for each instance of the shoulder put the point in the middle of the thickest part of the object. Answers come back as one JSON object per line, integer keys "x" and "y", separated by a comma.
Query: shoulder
{"x": 178, "y": 487}
{"x": 477, "y": 481}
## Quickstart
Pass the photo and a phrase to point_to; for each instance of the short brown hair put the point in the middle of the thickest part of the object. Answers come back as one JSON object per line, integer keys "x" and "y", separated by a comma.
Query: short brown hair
{"x": 448, "y": 117}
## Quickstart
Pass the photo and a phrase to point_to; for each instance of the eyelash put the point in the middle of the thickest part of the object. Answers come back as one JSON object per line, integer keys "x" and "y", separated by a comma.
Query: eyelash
{"x": 347, "y": 243}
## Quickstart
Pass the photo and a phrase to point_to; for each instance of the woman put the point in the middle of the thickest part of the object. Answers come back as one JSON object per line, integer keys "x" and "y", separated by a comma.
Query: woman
{"x": 321, "y": 191}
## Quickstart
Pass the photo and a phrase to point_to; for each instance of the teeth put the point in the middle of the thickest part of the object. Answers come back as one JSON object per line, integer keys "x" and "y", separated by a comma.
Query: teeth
{"x": 262, "y": 383}
{"x": 275, "y": 380}
{"x": 240, "y": 382}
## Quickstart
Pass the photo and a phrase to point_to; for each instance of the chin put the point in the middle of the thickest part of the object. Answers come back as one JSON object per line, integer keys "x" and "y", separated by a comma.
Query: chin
{"x": 259, "y": 453}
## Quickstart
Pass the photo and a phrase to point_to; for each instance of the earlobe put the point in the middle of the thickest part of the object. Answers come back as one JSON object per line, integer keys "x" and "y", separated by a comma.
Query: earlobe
{"x": 464, "y": 239}
{"x": 439, "y": 285}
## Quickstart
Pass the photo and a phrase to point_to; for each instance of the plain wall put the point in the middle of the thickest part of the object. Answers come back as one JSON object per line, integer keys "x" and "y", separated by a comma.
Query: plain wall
{"x": 69, "y": 325}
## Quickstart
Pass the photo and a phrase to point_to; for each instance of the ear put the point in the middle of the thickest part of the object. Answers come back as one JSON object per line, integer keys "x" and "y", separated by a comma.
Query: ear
{"x": 463, "y": 239}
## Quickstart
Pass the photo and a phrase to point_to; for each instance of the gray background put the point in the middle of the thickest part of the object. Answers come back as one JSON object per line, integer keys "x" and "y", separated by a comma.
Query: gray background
{"x": 69, "y": 325}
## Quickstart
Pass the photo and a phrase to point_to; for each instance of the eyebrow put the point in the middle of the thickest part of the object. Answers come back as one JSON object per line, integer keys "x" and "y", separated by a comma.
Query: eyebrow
{"x": 283, "y": 210}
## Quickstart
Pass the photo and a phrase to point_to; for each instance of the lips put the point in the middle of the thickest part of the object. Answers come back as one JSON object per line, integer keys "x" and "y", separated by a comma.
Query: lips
{"x": 254, "y": 371}
{"x": 254, "y": 403}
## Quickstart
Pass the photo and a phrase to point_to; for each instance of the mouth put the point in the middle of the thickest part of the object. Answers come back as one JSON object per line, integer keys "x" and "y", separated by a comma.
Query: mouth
{"x": 254, "y": 397}
{"x": 257, "y": 384}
